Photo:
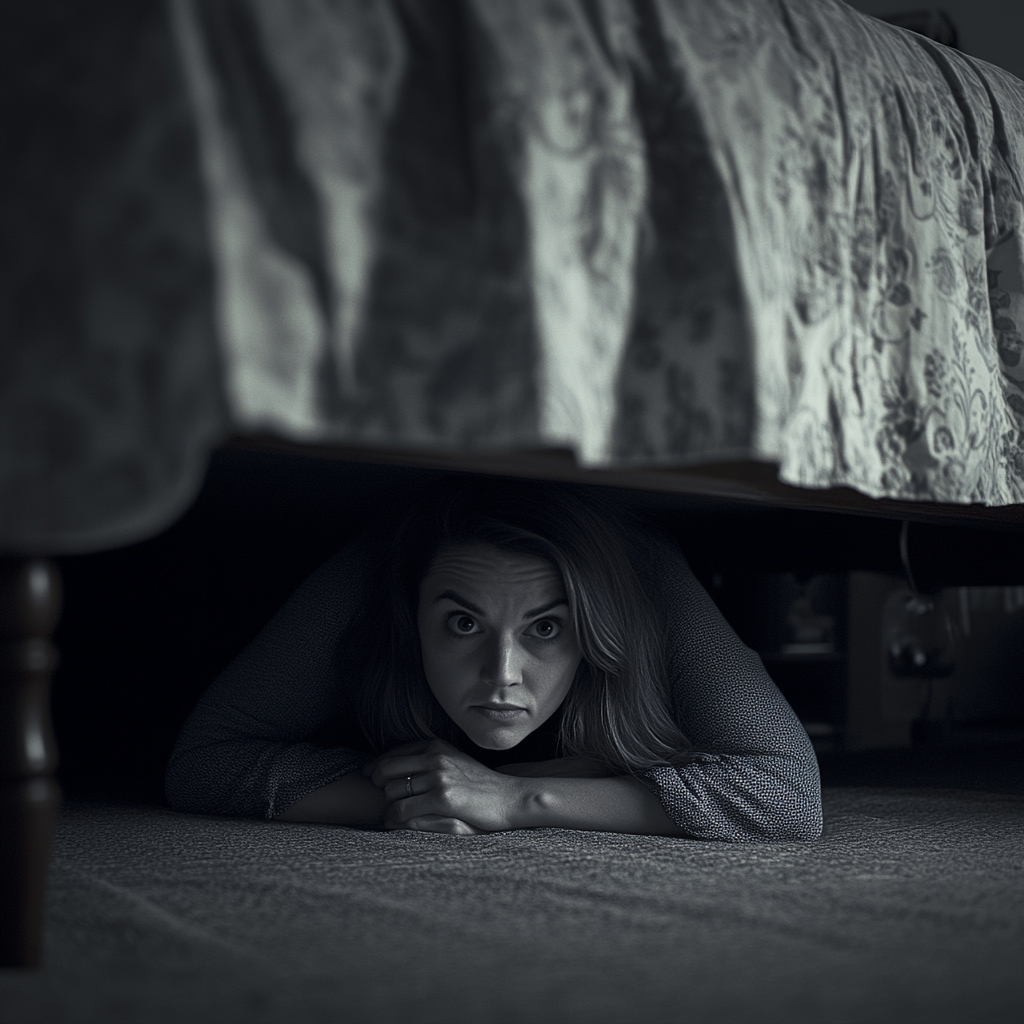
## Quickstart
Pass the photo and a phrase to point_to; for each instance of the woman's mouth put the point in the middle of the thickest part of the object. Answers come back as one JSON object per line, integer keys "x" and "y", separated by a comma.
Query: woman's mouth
{"x": 497, "y": 712}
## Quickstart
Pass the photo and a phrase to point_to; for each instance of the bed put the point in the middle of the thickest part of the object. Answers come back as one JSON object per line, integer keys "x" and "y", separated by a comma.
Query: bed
{"x": 769, "y": 253}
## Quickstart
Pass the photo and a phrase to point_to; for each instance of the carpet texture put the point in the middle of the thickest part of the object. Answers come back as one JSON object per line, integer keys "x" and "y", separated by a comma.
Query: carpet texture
{"x": 911, "y": 908}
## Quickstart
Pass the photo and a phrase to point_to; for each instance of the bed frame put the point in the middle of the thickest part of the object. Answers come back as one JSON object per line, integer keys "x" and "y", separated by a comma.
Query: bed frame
{"x": 30, "y": 600}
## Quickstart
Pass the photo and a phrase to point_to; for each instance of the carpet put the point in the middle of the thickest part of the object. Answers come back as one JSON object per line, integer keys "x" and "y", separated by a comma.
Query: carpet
{"x": 911, "y": 908}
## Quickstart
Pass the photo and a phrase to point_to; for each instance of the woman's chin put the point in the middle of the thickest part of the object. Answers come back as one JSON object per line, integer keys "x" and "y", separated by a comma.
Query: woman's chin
{"x": 499, "y": 738}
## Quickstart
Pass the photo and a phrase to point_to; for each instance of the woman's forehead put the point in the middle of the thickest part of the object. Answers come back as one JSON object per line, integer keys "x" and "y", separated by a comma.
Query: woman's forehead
{"x": 485, "y": 568}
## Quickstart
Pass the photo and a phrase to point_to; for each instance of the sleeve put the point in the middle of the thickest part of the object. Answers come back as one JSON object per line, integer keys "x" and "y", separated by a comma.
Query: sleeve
{"x": 755, "y": 776}
{"x": 243, "y": 749}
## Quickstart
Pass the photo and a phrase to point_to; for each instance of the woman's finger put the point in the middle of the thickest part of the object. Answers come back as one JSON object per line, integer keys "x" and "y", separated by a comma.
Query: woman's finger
{"x": 405, "y": 808}
{"x": 413, "y": 759}
{"x": 402, "y": 750}
{"x": 389, "y": 768}
{"x": 406, "y": 786}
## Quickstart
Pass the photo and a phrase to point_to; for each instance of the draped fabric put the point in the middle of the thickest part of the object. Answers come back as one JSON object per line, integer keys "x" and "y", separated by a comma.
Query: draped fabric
{"x": 658, "y": 232}
{"x": 109, "y": 374}
{"x": 654, "y": 231}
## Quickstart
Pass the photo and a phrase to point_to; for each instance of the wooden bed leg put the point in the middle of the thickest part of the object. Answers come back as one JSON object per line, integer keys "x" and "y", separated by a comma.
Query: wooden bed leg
{"x": 30, "y": 597}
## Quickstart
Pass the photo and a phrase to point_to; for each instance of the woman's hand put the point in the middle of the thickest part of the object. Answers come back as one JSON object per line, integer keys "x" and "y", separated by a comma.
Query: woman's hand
{"x": 434, "y": 787}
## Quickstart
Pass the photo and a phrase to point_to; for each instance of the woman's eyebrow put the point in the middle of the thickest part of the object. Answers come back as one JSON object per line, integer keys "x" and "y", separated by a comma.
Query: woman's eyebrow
{"x": 544, "y": 608}
{"x": 450, "y": 595}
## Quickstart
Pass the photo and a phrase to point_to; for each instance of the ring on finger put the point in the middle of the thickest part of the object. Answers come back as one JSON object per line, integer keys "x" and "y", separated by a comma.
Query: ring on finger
{"x": 408, "y": 785}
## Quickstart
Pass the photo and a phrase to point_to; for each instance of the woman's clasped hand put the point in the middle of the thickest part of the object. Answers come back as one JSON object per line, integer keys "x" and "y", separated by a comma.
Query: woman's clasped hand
{"x": 433, "y": 787}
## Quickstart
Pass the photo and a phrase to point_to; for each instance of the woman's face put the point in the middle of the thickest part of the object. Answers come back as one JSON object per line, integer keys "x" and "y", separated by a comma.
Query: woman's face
{"x": 499, "y": 650}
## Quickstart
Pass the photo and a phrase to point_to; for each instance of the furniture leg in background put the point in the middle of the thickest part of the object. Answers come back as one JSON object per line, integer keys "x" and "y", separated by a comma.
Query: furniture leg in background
{"x": 30, "y": 597}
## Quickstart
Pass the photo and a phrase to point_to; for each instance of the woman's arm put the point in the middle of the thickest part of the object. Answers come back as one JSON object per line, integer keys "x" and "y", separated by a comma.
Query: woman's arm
{"x": 756, "y": 776}
{"x": 243, "y": 749}
{"x": 351, "y": 800}
{"x": 562, "y": 794}
{"x": 615, "y": 804}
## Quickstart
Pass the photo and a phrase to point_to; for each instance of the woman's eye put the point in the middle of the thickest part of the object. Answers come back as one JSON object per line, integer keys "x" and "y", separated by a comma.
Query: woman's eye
{"x": 463, "y": 625}
{"x": 546, "y": 629}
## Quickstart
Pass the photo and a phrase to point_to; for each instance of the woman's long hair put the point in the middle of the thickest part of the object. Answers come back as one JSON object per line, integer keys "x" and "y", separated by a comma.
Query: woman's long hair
{"x": 617, "y": 708}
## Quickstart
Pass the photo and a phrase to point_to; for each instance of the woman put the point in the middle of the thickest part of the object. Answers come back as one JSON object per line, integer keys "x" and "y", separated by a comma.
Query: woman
{"x": 511, "y": 656}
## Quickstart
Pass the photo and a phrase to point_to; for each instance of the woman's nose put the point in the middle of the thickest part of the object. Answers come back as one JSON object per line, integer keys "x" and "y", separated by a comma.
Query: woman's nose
{"x": 505, "y": 662}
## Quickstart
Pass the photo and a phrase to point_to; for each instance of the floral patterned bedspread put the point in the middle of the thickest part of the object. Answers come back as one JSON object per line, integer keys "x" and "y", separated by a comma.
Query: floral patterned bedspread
{"x": 656, "y": 231}
{"x": 659, "y": 231}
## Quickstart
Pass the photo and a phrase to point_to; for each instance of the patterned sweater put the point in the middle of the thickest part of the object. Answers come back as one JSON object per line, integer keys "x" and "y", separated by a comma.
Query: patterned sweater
{"x": 250, "y": 746}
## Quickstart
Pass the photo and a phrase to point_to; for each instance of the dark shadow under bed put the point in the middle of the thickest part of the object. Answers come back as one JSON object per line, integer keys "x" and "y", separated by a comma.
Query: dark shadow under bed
{"x": 911, "y": 908}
